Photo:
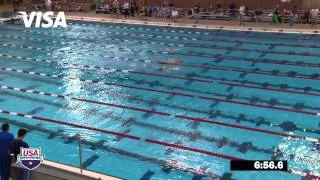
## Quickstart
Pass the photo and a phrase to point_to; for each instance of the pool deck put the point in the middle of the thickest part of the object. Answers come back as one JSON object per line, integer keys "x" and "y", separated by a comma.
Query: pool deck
{"x": 191, "y": 23}
{"x": 50, "y": 170}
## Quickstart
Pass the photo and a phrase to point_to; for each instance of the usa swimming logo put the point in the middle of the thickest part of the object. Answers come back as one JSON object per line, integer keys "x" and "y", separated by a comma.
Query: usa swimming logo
{"x": 30, "y": 158}
{"x": 44, "y": 20}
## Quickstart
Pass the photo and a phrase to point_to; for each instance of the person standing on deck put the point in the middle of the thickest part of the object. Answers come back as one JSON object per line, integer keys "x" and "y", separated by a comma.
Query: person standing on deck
{"x": 126, "y": 8}
{"x": 15, "y": 150}
{"x": 116, "y": 8}
{"x": 292, "y": 18}
{"x": 6, "y": 138}
{"x": 15, "y": 6}
{"x": 314, "y": 17}
{"x": 133, "y": 5}
{"x": 232, "y": 9}
{"x": 242, "y": 14}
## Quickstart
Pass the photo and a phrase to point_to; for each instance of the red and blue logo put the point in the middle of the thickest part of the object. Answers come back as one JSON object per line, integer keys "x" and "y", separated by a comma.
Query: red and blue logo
{"x": 30, "y": 158}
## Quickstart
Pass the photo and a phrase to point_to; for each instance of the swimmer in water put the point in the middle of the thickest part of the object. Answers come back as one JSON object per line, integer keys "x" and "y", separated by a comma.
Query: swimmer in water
{"x": 176, "y": 61}
{"x": 171, "y": 68}
{"x": 174, "y": 164}
{"x": 202, "y": 171}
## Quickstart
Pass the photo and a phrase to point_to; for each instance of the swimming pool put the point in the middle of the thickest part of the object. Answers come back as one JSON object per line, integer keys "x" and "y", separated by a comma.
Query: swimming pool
{"x": 140, "y": 96}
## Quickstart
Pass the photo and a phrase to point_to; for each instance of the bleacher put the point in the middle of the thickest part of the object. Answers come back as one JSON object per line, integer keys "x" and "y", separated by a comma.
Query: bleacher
{"x": 34, "y": 5}
{"x": 103, "y": 9}
{"x": 38, "y": 2}
{"x": 215, "y": 16}
{"x": 80, "y": 5}
{"x": 250, "y": 17}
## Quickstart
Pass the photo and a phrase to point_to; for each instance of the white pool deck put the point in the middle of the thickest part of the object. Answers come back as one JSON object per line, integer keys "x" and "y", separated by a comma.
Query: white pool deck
{"x": 189, "y": 23}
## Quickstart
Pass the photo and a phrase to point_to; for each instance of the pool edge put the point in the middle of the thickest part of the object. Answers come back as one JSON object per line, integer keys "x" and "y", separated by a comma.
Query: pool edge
{"x": 194, "y": 26}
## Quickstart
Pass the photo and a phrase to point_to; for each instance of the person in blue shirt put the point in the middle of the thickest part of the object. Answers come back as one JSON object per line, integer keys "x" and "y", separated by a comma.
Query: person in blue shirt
{"x": 6, "y": 138}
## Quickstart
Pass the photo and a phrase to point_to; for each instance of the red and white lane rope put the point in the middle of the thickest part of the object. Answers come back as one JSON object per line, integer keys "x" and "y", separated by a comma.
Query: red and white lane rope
{"x": 166, "y": 92}
{"x": 150, "y": 141}
{"x": 148, "y": 61}
{"x": 289, "y": 135}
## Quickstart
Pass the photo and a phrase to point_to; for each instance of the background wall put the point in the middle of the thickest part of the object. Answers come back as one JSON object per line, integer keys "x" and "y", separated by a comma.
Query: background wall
{"x": 252, "y": 4}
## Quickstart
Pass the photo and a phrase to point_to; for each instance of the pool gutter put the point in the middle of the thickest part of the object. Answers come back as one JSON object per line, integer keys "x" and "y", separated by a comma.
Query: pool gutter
{"x": 50, "y": 170}
{"x": 195, "y": 26}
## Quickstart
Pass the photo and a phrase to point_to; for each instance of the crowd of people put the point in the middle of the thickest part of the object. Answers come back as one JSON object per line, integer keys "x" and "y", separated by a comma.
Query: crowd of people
{"x": 241, "y": 12}
{"x": 276, "y": 16}
{"x": 9, "y": 150}
{"x": 301, "y": 16}
{"x": 131, "y": 8}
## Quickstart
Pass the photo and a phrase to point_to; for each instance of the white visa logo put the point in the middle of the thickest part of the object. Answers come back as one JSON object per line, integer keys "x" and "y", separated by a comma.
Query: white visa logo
{"x": 47, "y": 17}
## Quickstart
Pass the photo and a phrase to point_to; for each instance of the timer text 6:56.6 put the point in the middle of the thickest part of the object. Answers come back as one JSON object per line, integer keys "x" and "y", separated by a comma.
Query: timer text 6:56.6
{"x": 258, "y": 165}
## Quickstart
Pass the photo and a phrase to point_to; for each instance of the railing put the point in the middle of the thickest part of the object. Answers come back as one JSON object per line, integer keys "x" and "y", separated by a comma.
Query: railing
{"x": 258, "y": 15}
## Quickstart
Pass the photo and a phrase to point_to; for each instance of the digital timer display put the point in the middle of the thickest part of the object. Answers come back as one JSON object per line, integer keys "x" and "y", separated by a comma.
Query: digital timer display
{"x": 259, "y": 165}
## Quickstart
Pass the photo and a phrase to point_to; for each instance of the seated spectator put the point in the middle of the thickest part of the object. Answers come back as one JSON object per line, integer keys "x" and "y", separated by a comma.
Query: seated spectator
{"x": 107, "y": 7}
{"x": 218, "y": 10}
{"x": 232, "y": 9}
{"x": 196, "y": 11}
{"x": 246, "y": 10}
{"x": 314, "y": 16}
{"x": 174, "y": 14}
{"x": 286, "y": 13}
{"x": 154, "y": 11}
{"x": 242, "y": 13}
{"x": 189, "y": 12}
{"x": 299, "y": 15}
{"x": 165, "y": 3}
{"x": 258, "y": 15}
{"x": 307, "y": 16}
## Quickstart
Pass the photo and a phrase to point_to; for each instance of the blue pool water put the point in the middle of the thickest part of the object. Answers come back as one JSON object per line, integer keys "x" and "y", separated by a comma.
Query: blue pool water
{"x": 222, "y": 93}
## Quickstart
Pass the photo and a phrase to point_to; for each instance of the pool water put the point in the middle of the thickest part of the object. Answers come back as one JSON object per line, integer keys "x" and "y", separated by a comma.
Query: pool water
{"x": 201, "y": 97}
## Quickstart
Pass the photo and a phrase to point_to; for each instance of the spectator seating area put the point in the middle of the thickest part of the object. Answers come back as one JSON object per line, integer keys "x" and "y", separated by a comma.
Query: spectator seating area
{"x": 103, "y": 9}
{"x": 80, "y": 5}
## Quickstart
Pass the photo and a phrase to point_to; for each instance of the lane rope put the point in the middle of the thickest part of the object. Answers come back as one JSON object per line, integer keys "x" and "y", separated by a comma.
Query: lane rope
{"x": 151, "y": 141}
{"x": 269, "y": 61}
{"x": 166, "y": 114}
{"x": 197, "y": 39}
{"x": 148, "y": 61}
{"x": 147, "y": 140}
{"x": 163, "y": 91}
{"x": 212, "y": 67}
{"x": 225, "y": 58}
{"x": 100, "y": 145}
